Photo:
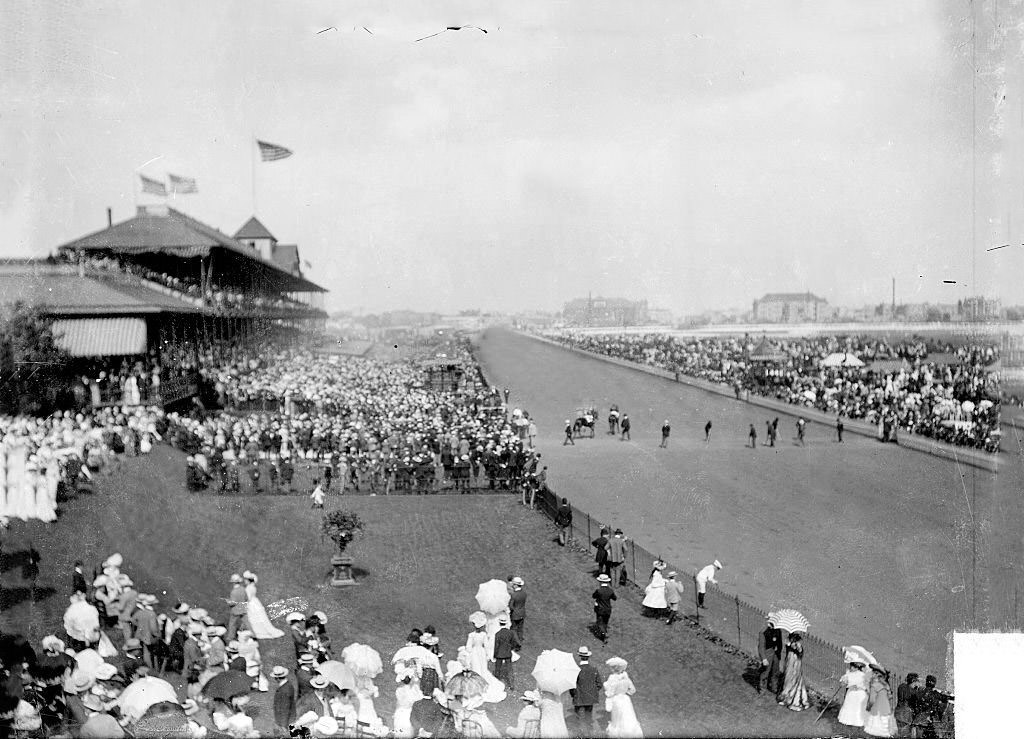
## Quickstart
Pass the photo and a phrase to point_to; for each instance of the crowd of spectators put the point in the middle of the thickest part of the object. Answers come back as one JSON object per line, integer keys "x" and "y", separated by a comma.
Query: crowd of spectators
{"x": 220, "y": 298}
{"x": 926, "y": 387}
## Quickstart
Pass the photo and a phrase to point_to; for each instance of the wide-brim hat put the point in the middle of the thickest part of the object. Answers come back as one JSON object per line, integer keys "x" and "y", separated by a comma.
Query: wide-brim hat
{"x": 235, "y": 577}
{"x": 132, "y": 645}
{"x": 279, "y": 672}
{"x": 78, "y": 682}
{"x": 531, "y": 696}
{"x": 617, "y": 663}
{"x": 477, "y": 618}
{"x": 306, "y": 659}
{"x": 584, "y": 651}
{"x": 503, "y": 620}
{"x": 321, "y": 615}
{"x": 717, "y": 564}
{"x": 216, "y": 631}
{"x": 295, "y": 617}
{"x": 52, "y": 644}
{"x": 319, "y": 682}
{"x": 517, "y": 581}
{"x": 603, "y": 578}
{"x": 106, "y": 671}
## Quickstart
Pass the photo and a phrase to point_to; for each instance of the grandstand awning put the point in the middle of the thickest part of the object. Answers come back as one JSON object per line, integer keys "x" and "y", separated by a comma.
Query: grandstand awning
{"x": 101, "y": 337}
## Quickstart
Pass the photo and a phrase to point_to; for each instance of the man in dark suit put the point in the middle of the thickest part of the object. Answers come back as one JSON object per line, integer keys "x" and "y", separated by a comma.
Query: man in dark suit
{"x": 769, "y": 651}
{"x": 600, "y": 545}
{"x": 78, "y": 584}
{"x": 304, "y": 674}
{"x": 584, "y": 696}
{"x": 297, "y": 627}
{"x": 517, "y": 607}
{"x": 563, "y": 520}
{"x": 603, "y": 597}
{"x": 285, "y": 697}
{"x": 625, "y": 426}
{"x": 505, "y": 642}
{"x": 315, "y": 699}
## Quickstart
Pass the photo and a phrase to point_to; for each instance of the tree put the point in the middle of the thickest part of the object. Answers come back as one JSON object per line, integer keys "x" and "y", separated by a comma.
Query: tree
{"x": 32, "y": 366}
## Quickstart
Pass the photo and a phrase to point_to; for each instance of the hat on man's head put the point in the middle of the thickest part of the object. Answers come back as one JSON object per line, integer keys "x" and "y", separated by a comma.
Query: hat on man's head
{"x": 132, "y": 645}
{"x": 531, "y": 696}
{"x": 603, "y": 578}
{"x": 279, "y": 672}
{"x": 215, "y": 631}
{"x": 306, "y": 659}
{"x": 717, "y": 564}
{"x": 584, "y": 651}
{"x": 503, "y": 620}
{"x": 235, "y": 577}
{"x": 79, "y": 682}
{"x": 319, "y": 682}
{"x": 672, "y": 574}
{"x": 517, "y": 580}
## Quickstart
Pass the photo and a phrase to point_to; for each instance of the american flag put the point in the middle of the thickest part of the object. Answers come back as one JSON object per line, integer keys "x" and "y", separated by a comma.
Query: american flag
{"x": 153, "y": 187}
{"x": 272, "y": 152}
{"x": 182, "y": 185}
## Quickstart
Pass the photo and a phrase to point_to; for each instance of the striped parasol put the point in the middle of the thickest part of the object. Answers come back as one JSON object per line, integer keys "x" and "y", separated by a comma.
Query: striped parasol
{"x": 790, "y": 620}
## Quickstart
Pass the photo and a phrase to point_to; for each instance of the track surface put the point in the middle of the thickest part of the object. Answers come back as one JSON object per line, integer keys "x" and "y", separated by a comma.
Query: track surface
{"x": 871, "y": 542}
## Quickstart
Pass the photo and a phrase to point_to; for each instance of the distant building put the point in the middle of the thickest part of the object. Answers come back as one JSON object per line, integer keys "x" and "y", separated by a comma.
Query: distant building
{"x": 600, "y": 311}
{"x": 791, "y": 308}
{"x": 979, "y": 308}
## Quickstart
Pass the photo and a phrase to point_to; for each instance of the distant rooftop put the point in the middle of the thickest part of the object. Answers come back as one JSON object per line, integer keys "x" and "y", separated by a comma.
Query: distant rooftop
{"x": 253, "y": 229}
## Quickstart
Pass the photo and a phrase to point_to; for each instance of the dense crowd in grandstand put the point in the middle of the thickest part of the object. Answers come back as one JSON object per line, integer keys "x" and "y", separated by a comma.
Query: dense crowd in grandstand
{"x": 954, "y": 398}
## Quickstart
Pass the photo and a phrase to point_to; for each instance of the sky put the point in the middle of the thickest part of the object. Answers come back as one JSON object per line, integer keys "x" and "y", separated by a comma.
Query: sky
{"x": 697, "y": 155}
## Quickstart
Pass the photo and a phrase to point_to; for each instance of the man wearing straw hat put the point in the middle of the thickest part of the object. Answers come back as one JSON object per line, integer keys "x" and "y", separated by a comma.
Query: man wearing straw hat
{"x": 505, "y": 643}
{"x": 585, "y": 694}
{"x": 673, "y": 594}
{"x": 603, "y": 597}
{"x": 769, "y": 651}
{"x": 284, "y": 699}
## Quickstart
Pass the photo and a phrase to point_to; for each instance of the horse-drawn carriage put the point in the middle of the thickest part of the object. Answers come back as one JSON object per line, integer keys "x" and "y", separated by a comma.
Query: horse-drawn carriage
{"x": 586, "y": 420}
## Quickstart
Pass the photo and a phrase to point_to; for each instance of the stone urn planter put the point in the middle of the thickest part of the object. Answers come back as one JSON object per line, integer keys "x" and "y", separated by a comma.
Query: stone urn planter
{"x": 341, "y": 527}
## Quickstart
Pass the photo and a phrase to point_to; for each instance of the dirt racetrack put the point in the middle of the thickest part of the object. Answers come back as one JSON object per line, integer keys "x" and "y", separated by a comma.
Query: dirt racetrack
{"x": 876, "y": 545}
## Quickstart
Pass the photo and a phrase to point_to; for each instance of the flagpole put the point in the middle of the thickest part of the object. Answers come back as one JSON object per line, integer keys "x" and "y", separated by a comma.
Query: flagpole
{"x": 252, "y": 160}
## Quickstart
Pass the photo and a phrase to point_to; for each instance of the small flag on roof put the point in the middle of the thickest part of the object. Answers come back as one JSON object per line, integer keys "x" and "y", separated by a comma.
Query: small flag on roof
{"x": 182, "y": 185}
{"x": 272, "y": 152}
{"x": 153, "y": 187}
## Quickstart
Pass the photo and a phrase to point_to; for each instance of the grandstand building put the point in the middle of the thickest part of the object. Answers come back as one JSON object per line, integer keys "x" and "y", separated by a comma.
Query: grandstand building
{"x": 791, "y": 308}
{"x": 591, "y": 311}
{"x": 163, "y": 278}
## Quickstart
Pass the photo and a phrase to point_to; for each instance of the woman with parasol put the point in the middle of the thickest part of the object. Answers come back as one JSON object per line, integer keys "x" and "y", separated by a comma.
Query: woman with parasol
{"x": 794, "y": 691}
{"x": 856, "y": 683}
{"x": 365, "y": 663}
{"x": 476, "y": 657}
{"x": 617, "y": 689}
{"x": 880, "y": 720}
{"x": 465, "y": 690}
{"x": 407, "y": 694}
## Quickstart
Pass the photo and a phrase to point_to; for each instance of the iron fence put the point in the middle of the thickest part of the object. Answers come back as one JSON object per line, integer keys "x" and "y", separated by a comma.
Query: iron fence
{"x": 729, "y": 617}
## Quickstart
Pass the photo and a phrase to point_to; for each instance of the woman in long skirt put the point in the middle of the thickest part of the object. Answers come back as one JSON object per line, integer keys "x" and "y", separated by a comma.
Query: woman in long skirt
{"x": 853, "y": 712}
{"x": 880, "y": 721}
{"x": 654, "y": 602}
{"x": 794, "y": 691}
{"x": 618, "y": 689}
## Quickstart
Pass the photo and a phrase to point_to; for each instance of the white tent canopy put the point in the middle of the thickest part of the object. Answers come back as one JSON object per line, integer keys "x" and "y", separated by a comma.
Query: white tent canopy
{"x": 840, "y": 359}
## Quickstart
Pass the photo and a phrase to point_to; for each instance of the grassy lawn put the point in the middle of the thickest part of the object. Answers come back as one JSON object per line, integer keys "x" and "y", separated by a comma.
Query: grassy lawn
{"x": 419, "y": 561}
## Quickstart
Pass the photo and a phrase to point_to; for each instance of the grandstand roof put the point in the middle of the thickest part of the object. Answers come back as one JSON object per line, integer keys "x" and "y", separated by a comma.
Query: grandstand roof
{"x": 287, "y": 257}
{"x": 253, "y": 229}
{"x": 63, "y": 292}
{"x": 165, "y": 231}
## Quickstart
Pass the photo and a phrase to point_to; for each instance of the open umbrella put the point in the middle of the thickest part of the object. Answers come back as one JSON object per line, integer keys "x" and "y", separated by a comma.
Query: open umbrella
{"x": 416, "y": 653}
{"x": 492, "y": 596}
{"x": 137, "y": 698}
{"x": 555, "y": 671}
{"x": 163, "y": 719}
{"x": 792, "y": 621}
{"x": 362, "y": 659}
{"x": 858, "y": 654}
{"x": 338, "y": 673}
{"x": 227, "y": 685}
{"x": 466, "y": 684}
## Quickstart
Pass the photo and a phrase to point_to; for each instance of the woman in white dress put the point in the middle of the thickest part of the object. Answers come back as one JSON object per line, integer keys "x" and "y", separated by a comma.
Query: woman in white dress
{"x": 654, "y": 594}
{"x": 476, "y": 657}
{"x": 617, "y": 689}
{"x": 20, "y": 497}
{"x": 259, "y": 622}
{"x": 552, "y": 716}
{"x": 406, "y": 695}
{"x": 45, "y": 507}
{"x": 854, "y": 710}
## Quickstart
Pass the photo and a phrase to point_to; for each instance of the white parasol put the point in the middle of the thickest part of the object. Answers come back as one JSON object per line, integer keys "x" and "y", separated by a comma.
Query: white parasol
{"x": 792, "y": 621}
{"x": 136, "y": 699}
{"x": 363, "y": 660}
{"x": 493, "y": 597}
{"x": 858, "y": 654}
{"x": 420, "y": 655}
{"x": 88, "y": 662}
{"x": 338, "y": 673}
{"x": 555, "y": 671}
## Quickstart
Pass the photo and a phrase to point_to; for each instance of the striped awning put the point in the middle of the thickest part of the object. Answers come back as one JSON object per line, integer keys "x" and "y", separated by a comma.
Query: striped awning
{"x": 101, "y": 337}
